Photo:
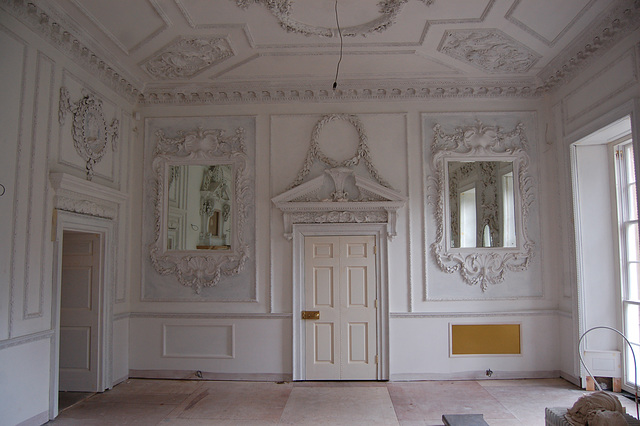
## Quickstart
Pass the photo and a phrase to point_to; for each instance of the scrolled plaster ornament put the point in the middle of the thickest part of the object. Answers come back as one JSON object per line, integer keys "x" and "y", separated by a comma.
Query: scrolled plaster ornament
{"x": 488, "y": 49}
{"x": 186, "y": 57}
{"x": 90, "y": 130}
{"x": 483, "y": 266}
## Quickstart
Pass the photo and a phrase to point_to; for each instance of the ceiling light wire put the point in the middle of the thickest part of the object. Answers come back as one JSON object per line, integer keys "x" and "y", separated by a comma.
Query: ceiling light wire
{"x": 335, "y": 81}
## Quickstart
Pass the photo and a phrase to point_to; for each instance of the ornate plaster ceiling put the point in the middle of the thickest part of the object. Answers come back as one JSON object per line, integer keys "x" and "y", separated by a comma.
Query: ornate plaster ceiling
{"x": 252, "y": 46}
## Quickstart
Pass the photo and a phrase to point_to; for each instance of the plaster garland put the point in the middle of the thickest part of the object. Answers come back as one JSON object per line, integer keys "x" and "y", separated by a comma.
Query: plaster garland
{"x": 486, "y": 266}
{"x": 90, "y": 130}
{"x": 282, "y": 10}
{"x": 199, "y": 269}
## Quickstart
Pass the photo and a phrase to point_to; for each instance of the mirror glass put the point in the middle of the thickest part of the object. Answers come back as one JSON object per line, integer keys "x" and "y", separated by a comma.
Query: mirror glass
{"x": 200, "y": 207}
{"x": 481, "y": 204}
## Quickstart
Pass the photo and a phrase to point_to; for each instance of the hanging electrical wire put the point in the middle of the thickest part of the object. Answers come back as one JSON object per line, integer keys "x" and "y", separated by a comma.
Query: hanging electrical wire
{"x": 335, "y": 80}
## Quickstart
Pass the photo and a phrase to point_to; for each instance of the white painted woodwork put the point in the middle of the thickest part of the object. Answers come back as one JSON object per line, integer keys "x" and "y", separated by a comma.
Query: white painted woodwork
{"x": 340, "y": 284}
{"x": 80, "y": 312}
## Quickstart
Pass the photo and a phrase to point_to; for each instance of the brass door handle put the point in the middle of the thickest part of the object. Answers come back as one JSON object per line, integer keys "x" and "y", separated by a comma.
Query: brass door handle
{"x": 310, "y": 315}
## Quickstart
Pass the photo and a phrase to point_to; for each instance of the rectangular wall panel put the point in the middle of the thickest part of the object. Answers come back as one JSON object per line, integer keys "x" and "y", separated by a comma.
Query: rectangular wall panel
{"x": 485, "y": 339}
{"x": 198, "y": 341}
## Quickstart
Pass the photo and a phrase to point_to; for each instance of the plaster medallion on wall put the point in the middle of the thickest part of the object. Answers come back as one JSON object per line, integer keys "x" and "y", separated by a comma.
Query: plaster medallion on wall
{"x": 283, "y": 11}
{"x": 90, "y": 130}
{"x": 490, "y": 50}
{"x": 187, "y": 56}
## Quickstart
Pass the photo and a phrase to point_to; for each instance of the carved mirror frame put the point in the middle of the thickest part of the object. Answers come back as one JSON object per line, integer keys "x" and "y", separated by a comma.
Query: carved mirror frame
{"x": 201, "y": 268}
{"x": 482, "y": 266}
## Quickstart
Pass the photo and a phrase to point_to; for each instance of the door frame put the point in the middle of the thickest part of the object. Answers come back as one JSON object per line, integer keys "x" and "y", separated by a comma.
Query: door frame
{"x": 377, "y": 230}
{"x": 105, "y": 228}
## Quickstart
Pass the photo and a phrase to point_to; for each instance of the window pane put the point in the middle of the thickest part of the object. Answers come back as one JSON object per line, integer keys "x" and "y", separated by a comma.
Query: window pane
{"x": 631, "y": 371}
{"x": 632, "y": 241}
{"x": 633, "y": 202}
{"x": 633, "y": 292}
{"x": 632, "y": 330}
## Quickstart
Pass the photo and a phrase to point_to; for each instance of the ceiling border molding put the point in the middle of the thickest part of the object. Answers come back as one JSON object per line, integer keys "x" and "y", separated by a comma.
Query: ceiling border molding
{"x": 618, "y": 23}
{"x": 353, "y": 91}
{"x": 42, "y": 23}
{"x": 509, "y": 17}
{"x": 281, "y": 9}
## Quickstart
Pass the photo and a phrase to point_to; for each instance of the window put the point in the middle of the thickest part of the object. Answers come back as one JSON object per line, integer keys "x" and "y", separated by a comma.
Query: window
{"x": 629, "y": 244}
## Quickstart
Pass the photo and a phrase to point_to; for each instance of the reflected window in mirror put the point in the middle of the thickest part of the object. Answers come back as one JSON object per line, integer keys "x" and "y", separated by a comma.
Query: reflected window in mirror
{"x": 481, "y": 204}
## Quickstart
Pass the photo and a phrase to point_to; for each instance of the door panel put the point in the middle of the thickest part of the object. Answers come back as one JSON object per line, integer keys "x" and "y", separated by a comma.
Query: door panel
{"x": 79, "y": 312}
{"x": 340, "y": 284}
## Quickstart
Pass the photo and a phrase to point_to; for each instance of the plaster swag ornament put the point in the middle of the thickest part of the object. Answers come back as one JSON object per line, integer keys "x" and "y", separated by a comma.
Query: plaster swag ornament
{"x": 90, "y": 130}
{"x": 201, "y": 268}
{"x": 283, "y": 11}
{"x": 481, "y": 266}
{"x": 326, "y": 198}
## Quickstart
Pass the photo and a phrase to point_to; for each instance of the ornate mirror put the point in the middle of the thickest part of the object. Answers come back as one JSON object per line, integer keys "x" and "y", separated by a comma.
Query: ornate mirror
{"x": 202, "y": 194}
{"x": 483, "y": 196}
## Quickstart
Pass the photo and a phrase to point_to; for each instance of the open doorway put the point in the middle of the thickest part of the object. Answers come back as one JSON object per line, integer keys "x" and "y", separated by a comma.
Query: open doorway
{"x": 80, "y": 313}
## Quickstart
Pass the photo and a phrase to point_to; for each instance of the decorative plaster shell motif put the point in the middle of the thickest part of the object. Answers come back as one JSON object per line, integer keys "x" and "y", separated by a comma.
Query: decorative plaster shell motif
{"x": 483, "y": 266}
{"x": 90, "y": 130}
{"x": 490, "y": 50}
{"x": 187, "y": 57}
{"x": 282, "y": 10}
{"x": 199, "y": 269}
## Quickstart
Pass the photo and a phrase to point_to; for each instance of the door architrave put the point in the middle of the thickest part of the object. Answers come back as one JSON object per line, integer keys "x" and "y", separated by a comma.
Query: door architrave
{"x": 68, "y": 221}
{"x": 379, "y": 231}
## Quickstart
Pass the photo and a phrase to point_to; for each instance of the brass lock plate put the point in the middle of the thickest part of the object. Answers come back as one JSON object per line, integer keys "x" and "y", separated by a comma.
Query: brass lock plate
{"x": 310, "y": 315}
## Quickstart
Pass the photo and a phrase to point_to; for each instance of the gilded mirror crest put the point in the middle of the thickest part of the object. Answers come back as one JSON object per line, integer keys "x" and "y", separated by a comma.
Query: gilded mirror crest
{"x": 483, "y": 193}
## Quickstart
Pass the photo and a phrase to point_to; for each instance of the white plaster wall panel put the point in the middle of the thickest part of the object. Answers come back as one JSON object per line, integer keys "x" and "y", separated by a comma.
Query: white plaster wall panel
{"x": 26, "y": 368}
{"x": 260, "y": 346}
{"x": 534, "y": 17}
{"x": 617, "y": 77}
{"x": 441, "y": 286}
{"x": 290, "y": 141}
{"x": 568, "y": 362}
{"x": 415, "y": 356}
{"x": 241, "y": 287}
{"x": 30, "y": 286}
{"x": 143, "y": 21}
{"x": 198, "y": 341}
{"x": 120, "y": 348}
{"x": 12, "y": 68}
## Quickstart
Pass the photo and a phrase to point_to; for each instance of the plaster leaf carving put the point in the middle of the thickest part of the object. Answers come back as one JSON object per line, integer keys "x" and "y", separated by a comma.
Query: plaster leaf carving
{"x": 283, "y": 11}
{"x": 490, "y": 50}
{"x": 186, "y": 57}
{"x": 201, "y": 268}
{"x": 483, "y": 266}
{"x": 90, "y": 130}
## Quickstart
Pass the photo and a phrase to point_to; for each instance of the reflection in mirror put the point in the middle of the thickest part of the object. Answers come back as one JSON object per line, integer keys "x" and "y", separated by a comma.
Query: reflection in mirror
{"x": 481, "y": 204}
{"x": 200, "y": 207}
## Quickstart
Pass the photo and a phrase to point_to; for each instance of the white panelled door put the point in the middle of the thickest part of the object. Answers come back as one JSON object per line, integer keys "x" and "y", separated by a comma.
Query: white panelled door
{"x": 80, "y": 312}
{"x": 340, "y": 284}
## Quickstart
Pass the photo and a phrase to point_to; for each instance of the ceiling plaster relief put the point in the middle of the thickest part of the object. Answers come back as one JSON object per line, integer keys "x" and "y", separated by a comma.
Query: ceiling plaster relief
{"x": 186, "y": 57}
{"x": 490, "y": 50}
{"x": 283, "y": 11}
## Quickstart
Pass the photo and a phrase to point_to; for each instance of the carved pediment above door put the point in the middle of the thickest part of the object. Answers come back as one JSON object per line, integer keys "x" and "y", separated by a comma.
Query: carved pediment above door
{"x": 339, "y": 194}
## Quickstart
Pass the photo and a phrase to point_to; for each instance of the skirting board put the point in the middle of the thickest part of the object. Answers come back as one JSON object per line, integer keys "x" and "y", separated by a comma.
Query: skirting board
{"x": 191, "y": 375}
{"x": 475, "y": 375}
{"x": 36, "y": 420}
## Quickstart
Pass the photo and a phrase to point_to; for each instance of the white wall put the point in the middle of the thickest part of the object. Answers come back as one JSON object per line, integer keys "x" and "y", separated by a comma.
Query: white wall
{"x": 34, "y": 145}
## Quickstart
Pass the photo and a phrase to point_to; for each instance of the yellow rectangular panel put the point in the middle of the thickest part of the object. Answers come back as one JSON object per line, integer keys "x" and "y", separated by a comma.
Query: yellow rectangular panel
{"x": 485, "y": 339}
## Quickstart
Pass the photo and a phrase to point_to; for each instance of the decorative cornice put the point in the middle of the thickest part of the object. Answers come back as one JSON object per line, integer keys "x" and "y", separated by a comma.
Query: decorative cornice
{"x": 43, "y": 24}
{"x": 617, "y": 24}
